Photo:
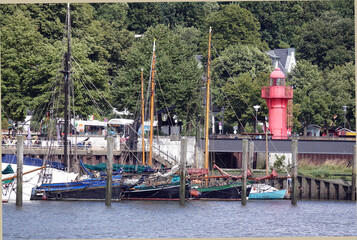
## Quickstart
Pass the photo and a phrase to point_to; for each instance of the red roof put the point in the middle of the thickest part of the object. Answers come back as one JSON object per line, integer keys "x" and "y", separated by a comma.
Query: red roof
{"x": 277, "y": 74}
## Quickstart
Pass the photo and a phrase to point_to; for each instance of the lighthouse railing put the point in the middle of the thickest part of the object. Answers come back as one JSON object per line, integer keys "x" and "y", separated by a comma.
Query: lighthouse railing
{"x": 287, "y": 94}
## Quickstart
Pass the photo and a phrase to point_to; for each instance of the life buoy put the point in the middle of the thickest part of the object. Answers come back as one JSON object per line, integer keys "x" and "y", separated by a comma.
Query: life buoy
{"x": 59, "y": 196}
{"x": 195, "y": 193}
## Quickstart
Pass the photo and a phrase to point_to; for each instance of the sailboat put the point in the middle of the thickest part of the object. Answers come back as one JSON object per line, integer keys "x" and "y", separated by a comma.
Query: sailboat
{"x": 32, "y": 173}
{"x": 259, "y": 190}
{"x": 157, "y": 186}
{"x": 226, "y": 188}
{"x": 90, "y": 188}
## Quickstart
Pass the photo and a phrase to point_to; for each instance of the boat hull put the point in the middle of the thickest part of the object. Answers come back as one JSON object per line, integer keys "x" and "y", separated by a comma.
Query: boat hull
{"x": 228, "y": 192}
{"x": 31, "y": 180}
{"x": 160, "y": 192}
{"x": 84, "y": 194}
{"x": 89, "y": 189}
{"x": 280, "y": 194}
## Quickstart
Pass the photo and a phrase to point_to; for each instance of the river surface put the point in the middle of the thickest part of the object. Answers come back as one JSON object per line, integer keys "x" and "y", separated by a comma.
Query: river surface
{"x": 197, "y": 219}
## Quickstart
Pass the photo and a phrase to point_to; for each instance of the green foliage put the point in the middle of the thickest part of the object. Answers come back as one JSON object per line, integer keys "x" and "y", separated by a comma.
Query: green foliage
{"x": 326, "y": 41}
{"x": 281, "y": 21}
{"x": 177, "y": 74}
{"x": 307, "y": 81}
{"x": 279, "y": 164}
{"x": 233, "y": 25}
{"x": 237, "y": 78}
{"x": 107, "y": 58}
{"x": 313, "y": 107}
{"x": 25, "y": 66}
{"x": 325, "y": 171}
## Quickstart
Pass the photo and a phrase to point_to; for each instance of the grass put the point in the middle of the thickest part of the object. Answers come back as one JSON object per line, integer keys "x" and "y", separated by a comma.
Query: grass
{"x": 328, "y": 170}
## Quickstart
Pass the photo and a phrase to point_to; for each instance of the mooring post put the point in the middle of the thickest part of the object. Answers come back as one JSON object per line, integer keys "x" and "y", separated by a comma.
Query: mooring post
{"x": 183, "y": 171}
{"x": 20, "y": 159}
{"x": 244, "y": 166}
{"x": 108, "y": 193}
{"x": 294, "y": 193}
{"x": 251, "y": 155}
{"x": 354, "y": 170}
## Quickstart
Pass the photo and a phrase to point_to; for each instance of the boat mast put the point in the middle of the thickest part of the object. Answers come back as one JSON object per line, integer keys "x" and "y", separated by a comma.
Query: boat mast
{"x": 152, "y": 103}
{"x": 67, "y": 74}
{"x": 142, "y": 114}
{"x": 266, "y": 149}
{"x": 208, "y": 100}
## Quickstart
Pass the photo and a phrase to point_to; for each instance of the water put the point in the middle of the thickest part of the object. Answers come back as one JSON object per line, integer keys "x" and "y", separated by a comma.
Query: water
{"x": 197, "y": 219}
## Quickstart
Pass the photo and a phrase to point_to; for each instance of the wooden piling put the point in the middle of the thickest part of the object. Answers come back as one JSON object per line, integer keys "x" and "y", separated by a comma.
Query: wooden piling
{"x": 341, "y": 192}
{"x": 183, "y": 171}
{"x": 354, "y": 170}
{"x": 294, "y": 150}
{"x": 244, "y": 166}
{"x": 108, "y": 193}
{"x": 251, "y": 155}
{"x": 1, "y": 229}
{"x": 314, "y": 189}
{"x": 332, "y": 191}
{"x": 323, "y": 190}
{"x": 20, "y": 159}
{"x": 305, "y": 188}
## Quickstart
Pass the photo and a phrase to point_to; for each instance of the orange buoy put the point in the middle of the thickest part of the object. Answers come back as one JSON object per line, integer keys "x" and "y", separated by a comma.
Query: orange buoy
{"x": 195, "y": 193}
{"x": 44, "y": 197}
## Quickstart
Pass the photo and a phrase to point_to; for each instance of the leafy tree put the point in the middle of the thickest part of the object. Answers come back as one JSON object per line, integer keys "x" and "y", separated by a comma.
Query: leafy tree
{"x": 115, "y": 13}
{"x": 233, "y": 25}
{"x": 139, "y": 19}
{"x": 237, "y": 78}
{"x": 240, "y": 59}
{"x": 239, "y": 95}
{"x": 340, "y": 83}
{"x": 310, "y": 94}
{"x": 281, "y": 21}
{"x": 327, "y": 41}
{"x": 26, "y": 64}
{"x": 191, "y": 36}
{"x": 177, "y": 74}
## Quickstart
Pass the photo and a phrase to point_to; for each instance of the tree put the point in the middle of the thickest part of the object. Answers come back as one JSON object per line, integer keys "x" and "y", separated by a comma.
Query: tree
{"x": 177, "y": 74}
{"x": 281, "y": 21}
{"x": 233, "y": 25}
{"x": 310, "y": 95}
{"x": 237, "y": 78}
{"x": 327, "y": 41}
{"x": 26, "y": 64}
{"x": 340, "y": 83}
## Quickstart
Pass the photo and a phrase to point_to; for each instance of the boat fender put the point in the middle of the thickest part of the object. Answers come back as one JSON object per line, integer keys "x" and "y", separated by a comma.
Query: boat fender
{"x": 59, "y": 196}
{"x": 44, "y": 196}
{"x": 195, "y": 193}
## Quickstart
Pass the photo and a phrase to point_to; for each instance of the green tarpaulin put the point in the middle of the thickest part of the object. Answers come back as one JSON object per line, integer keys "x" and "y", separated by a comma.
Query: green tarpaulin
{"x": 101, "y": 167}
{"x": 8, "y": 170}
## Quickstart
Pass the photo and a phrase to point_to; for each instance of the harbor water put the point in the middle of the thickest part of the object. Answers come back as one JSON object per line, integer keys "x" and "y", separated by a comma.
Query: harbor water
{"x": 197, "y": 219}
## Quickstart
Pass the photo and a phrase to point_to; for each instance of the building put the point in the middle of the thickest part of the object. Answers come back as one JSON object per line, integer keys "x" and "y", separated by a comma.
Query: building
{"x": 283, "y": 58}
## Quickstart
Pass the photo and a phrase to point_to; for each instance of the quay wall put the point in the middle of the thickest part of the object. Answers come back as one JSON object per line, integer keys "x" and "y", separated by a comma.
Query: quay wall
{"x": 227, "y": 153}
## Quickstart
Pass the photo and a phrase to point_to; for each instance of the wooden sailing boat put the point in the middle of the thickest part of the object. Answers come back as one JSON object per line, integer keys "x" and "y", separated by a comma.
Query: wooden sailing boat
{"x": 156, "y": 186}
{"x": 88, "y": 189}
{"x": 227, "y": 188}
{"x": 35, "y": 171}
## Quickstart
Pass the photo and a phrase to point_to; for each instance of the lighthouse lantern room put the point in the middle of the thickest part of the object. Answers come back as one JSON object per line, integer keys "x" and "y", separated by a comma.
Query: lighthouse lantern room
{"x": 279, "y": 102}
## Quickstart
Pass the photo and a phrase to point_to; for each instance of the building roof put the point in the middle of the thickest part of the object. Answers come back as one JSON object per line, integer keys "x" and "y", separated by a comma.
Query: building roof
{"x": 283, "y": 58}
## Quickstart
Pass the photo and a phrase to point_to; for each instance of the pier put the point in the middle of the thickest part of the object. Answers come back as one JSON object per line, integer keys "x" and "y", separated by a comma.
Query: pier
{"x": 227, "y": 153}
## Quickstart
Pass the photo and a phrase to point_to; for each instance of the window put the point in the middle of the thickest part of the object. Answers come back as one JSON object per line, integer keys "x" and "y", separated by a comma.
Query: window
{"x": 271, "y": 81}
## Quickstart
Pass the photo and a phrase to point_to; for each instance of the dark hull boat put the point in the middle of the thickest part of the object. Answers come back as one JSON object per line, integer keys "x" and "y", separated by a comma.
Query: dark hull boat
{"x": 155, "y": 192}
{"x": 89, "y": 189}
{"x": 231, "y": 192}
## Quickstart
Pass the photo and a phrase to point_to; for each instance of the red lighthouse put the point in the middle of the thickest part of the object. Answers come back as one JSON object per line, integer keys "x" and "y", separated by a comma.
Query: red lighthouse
{"x": 279, "y": 102}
